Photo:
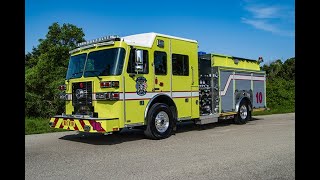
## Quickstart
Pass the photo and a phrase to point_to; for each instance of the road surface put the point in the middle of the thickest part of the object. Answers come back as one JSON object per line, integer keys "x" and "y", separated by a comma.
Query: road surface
{"x": 264, "y": 148}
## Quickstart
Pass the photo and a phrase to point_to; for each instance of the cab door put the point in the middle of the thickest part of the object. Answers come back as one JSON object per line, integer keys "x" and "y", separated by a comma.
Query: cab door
{"x": 181, "y": 84}
{"x": 138, "y": 87}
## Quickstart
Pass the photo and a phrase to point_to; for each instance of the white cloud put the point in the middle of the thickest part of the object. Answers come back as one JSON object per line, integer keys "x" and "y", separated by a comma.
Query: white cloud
{"x": 266, "y": 26}
{"x": 260, "y": 24}
{"x": 264, "y": 12}
{"x": 272, "y": 18}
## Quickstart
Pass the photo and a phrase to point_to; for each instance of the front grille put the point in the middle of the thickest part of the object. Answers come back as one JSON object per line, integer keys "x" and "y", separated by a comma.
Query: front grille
{"x": 82, "y": 94}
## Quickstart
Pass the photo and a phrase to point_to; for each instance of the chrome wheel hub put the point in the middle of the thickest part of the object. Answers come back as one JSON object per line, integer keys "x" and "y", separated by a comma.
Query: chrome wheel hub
{"x": 243, "y": 112}
{"x": 162, "y": 121}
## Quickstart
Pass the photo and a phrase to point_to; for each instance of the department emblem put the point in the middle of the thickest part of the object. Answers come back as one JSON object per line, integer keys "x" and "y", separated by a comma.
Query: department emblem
{"x": 141, "y": 86}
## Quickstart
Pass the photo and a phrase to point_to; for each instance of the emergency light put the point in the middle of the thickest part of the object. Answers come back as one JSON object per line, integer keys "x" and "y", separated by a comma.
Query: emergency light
{"x": 102, "y": 41}
{"x": 98, "y": 40}
{"x": 108, "y": 84}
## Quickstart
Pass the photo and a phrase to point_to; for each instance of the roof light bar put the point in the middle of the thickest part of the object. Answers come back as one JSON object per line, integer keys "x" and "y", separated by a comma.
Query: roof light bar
{"x": 101, "y": 39}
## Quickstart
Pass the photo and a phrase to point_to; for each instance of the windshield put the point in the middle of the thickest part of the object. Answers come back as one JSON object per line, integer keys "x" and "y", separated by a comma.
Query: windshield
{"x": 76, "y": 66}
{"x": 108, "y": 62}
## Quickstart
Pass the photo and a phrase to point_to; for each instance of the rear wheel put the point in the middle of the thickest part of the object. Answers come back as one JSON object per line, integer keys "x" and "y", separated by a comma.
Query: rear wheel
{"x": 160, "y": 122}
{"x": 243, "y": 113}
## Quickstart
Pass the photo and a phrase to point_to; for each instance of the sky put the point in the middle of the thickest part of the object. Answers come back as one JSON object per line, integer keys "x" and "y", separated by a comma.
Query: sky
{"x": 242, "y": 28}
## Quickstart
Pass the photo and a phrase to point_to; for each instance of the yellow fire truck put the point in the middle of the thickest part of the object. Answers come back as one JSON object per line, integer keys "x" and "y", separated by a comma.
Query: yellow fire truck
{"x": 152, "y": 81}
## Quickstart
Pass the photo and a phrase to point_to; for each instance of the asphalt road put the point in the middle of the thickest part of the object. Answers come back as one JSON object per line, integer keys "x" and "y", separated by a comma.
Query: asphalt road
{"x": 264, "y": 148}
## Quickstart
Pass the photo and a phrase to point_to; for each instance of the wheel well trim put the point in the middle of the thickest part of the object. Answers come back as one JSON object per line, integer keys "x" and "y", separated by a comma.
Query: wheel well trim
{"x": 150, "y": 102}
{"x": 240, "y": 100}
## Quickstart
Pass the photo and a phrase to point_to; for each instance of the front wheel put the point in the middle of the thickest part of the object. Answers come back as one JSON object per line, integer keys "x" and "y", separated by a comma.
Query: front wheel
{"x": 160, "y": 122}
{"x": 243, "y": 113}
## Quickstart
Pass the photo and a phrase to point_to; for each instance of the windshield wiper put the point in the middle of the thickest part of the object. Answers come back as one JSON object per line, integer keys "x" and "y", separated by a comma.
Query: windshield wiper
{"x": 72, "y": 75}
{"x": 76, "y": 73}
{"x": 96, "y": 75}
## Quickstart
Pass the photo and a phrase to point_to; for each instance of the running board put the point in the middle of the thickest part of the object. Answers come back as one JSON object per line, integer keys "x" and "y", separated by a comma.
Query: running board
{"x": 207, "y": 119}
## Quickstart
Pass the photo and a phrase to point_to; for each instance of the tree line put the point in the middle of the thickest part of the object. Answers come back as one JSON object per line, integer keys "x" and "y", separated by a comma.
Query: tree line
{"x": 45, "y": 70}
{"x": 46, "y": 67}
{"x": 281, "y": 85}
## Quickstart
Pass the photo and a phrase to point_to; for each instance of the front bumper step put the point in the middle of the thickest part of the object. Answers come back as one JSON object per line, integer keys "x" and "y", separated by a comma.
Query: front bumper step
{"x": 93, "y": 125}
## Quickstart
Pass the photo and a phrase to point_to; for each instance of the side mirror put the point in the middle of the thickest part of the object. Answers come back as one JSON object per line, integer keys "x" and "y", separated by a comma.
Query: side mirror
{"x": 260, "y": 60}
{"x": 138, "y": 60}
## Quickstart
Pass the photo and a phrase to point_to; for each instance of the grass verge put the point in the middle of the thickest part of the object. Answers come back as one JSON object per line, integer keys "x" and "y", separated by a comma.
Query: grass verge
{"x": 38, "y": 126}
{"x": 279, "y": 110}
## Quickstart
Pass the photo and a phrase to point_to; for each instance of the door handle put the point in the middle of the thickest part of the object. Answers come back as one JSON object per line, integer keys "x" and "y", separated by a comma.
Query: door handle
{"x": 192, "y": 76}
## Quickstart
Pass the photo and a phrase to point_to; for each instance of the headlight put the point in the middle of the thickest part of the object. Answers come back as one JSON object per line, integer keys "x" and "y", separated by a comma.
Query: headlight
{"x": 102, "y": 96}
{"x": 63, "y": 96}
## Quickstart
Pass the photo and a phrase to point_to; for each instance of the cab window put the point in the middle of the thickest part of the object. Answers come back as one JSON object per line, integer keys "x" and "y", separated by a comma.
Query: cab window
{"x": 180, "y": 65}
{"x": 160, "y": 63}
{"x": 131, "y": 63}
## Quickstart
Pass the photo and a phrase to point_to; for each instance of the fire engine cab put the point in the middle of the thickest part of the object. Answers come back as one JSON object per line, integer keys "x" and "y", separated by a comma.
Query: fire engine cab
{"x": 152, "y": 81}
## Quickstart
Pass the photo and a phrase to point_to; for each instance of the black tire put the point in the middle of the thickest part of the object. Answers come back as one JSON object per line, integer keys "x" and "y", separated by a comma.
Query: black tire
{"x": 241, "y": 118}
{"x": 163, "y": 111}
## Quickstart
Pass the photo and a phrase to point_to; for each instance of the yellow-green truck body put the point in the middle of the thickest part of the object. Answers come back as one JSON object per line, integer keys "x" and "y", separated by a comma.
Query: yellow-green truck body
{"x": 115, "y": 82}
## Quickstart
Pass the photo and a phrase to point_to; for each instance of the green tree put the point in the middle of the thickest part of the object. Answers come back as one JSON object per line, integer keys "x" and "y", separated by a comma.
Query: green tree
{"x": 45, "y": 69}
{"x": 273, "y": 69}
{"x": 288, "y": 72}
{"x": 281, "y": 85}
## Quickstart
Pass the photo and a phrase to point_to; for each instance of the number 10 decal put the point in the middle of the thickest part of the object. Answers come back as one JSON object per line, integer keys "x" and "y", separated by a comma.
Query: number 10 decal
{"x": 259, "y": 97}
